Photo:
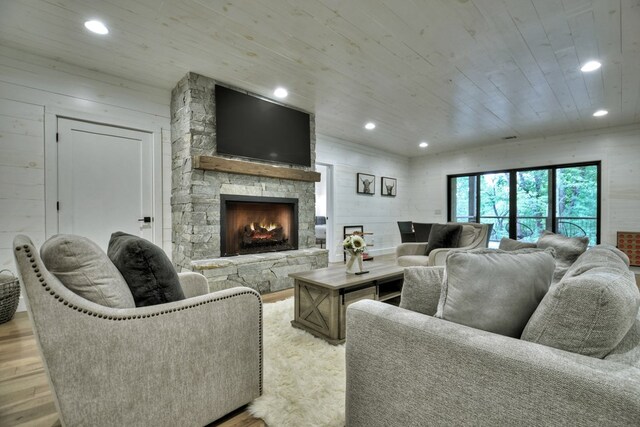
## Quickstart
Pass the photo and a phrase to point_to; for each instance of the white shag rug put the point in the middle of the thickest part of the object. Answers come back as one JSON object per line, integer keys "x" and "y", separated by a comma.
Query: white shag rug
{"x": 304, "y": 377}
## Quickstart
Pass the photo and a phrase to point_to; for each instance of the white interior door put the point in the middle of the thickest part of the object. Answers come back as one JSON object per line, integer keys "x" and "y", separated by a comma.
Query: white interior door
{"x": 105, "y": 181}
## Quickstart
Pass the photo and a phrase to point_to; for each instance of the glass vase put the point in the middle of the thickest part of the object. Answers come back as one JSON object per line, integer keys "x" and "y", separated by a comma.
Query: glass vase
{"x": 354, "y": 263}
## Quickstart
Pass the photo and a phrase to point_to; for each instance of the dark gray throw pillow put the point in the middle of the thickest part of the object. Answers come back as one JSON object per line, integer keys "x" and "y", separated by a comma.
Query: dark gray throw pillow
{"x": 507, "y": 244}
{"x": 443, "y": 236}
{"x": 146, "y": 269}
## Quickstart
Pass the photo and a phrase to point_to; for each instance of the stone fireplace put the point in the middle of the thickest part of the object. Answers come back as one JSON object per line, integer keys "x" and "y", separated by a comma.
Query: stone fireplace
{"x": 253, "y": 225}
{"x": 198, "y": 191}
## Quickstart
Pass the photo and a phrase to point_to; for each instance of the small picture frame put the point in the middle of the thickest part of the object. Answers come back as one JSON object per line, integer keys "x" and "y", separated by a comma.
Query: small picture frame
{"x": 350, "y": 229}
{"x": 366, "y": 184}
{"x": 388, "y": 186}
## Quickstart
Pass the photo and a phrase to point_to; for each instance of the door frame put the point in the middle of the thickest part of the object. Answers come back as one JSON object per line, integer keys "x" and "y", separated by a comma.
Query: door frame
{"x": 329, "y": 245}
{"x": 136, "y": 122}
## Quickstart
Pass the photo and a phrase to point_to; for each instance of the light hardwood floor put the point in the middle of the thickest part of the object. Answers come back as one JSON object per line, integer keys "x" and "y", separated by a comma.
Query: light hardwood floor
{"x": 25, "y": 397}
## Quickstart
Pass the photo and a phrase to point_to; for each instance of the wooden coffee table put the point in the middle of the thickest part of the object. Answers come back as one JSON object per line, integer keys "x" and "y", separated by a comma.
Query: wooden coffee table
{"x": 322, "y": 296}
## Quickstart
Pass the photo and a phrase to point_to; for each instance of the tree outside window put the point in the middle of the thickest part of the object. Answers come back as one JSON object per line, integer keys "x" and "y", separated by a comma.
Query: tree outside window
{"x": 563, "y": 199}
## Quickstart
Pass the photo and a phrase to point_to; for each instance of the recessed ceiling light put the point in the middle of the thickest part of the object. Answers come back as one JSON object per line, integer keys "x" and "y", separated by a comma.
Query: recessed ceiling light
{"x": 96, "y": 27}
{"x": 590, "y": 66}
{"x": 280, "y": 92}
{"x": 370, "y": 126}
{"x": 600, "y": 113}
{"x": 423, "y": 145}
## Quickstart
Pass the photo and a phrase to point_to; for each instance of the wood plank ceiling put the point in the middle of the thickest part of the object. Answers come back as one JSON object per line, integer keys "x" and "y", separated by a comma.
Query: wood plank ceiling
{"x": 453, "y": 73}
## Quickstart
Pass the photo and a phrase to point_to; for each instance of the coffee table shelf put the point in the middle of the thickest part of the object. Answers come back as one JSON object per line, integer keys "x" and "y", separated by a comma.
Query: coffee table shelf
{"x": 388, "y": 290}
{"x": 322, "y": 296}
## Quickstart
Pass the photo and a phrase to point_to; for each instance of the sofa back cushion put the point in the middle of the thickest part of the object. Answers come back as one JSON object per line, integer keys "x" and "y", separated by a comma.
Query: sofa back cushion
{"x": 421, "y": 289}
{"x": 494, "y": 290}
{"x": 147, "y": 270}
{"x": 507, "y": 244}
{"x": 468, "y": 235}
{"x": 443, "y": 236}
{"x": 86, "y": 270}
{"x": 591, "y": 309}
{"x": 628, "y": 350}
{"x": 568, "y": 249}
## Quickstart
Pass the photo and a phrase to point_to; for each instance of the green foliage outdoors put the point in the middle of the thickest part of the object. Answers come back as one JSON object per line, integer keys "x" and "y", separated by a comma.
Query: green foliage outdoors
{"x": 576, "y": 207}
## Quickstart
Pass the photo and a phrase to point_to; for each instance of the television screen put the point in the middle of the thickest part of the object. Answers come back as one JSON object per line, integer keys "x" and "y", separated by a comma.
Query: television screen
{"x": 251, "y": 127}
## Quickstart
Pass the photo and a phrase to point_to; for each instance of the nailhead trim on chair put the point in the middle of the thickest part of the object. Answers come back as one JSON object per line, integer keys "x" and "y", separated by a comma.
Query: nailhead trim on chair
{"x": 36, "y": 270}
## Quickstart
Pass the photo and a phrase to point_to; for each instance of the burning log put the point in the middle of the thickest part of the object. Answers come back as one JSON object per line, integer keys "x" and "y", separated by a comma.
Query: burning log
{"x": 255, "y": 234}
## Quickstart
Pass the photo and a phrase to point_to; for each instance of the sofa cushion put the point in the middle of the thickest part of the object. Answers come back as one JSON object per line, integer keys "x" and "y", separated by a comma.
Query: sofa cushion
{"x": 468, "y": 235}
{"x": 86, "y": 270}
{"x": 628, "y": 350}
{"x": 568, "y": 249}
{"x": 507, "y": 244}
{"x": 443, "y": 236}
{"x": 413, "y": 260}
{"x": 591, "y": 309}
{"x": 421, "y": 289}
{"x": 494, "y": 290}
{"x": 147, "y": 270}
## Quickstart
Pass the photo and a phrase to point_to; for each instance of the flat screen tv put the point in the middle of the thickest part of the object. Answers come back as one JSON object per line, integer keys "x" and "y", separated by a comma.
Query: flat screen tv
{"x": 254, "y": 128}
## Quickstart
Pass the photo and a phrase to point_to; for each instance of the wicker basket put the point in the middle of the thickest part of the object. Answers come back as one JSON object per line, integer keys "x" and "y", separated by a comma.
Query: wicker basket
{"x": 9, "y": 295}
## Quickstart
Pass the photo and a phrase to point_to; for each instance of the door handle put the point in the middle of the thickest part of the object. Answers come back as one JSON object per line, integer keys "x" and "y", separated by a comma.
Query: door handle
{"x": 145, "y": 219}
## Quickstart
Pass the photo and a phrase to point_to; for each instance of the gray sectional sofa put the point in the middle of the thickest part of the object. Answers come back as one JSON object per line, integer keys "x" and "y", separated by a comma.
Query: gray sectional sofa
{"x": 408, "y": 368}
{"x": 473, "y": 236}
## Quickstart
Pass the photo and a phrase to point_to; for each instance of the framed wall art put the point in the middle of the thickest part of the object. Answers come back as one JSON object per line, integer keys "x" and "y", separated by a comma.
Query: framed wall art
{"x": 388, "y": 186}
{"x": 366, "y": 184}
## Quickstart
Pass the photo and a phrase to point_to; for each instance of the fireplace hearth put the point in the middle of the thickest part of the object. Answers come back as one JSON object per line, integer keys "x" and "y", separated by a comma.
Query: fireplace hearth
{"x": 251, "y": 224}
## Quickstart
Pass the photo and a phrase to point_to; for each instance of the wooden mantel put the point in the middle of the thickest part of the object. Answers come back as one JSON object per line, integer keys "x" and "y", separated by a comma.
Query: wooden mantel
{"x": 243, "y": 167}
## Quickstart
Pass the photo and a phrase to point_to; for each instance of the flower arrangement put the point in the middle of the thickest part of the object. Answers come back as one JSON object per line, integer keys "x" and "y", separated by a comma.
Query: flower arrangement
{"x": 355, "y": 244}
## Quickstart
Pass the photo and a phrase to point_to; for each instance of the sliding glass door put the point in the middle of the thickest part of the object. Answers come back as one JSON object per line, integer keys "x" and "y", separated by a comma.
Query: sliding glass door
{"x": 464, "y": 198}
{"x": 532, "y": 201}
{"x": 494, "y": 203}
{"x": 576, "y": 201}
{"x": 522, "y": 203}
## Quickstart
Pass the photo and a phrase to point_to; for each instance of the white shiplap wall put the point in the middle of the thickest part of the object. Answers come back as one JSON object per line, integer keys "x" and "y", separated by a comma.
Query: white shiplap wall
{"x": 32, "y": 87}
{"x": 618, "y": 149}
{"x": 376, "y": 213}
{"x": 32, "y": 91}
{"x": 21, "y": 175}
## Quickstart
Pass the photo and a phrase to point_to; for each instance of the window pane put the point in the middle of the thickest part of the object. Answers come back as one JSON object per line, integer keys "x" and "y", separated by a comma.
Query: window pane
{"x": 494, "y": 205}
{"x": 463, "y": 199}
{"x": 533, "y": 204}
{"x": 577, "y": 201}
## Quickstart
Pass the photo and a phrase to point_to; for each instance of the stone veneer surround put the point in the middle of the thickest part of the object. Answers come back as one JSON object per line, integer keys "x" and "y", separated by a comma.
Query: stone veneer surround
{"x": 268, "y": 272}
{"x": 195, "y": 200}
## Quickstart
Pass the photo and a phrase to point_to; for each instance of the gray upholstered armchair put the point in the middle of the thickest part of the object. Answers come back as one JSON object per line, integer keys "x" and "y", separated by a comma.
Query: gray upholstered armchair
{"x": 182, "y": 363}
{"x": 473, "y": 236}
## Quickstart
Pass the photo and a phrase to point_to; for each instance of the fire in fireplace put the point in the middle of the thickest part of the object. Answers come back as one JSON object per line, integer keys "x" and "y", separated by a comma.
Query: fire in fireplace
{"x": 262, "y": 234}
{"x": 252, "y": 225}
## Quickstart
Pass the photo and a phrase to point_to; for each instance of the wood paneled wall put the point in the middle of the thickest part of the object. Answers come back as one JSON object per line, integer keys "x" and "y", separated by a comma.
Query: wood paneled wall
{"x": 376, "y": 213}
{"x": 618, "y": 149}
{"x": 31, "y": 88}
{"x": 21, "y": 175}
